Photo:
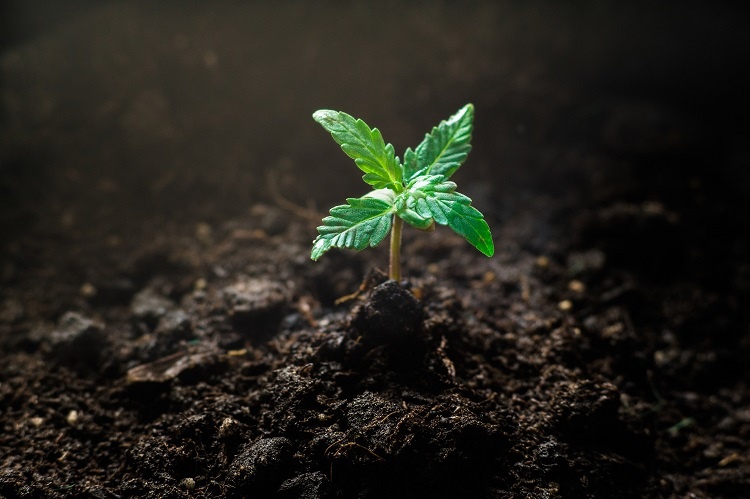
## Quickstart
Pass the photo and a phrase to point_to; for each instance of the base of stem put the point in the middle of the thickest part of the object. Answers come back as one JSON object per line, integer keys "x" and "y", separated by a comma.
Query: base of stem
{"x": 395, "y": 263}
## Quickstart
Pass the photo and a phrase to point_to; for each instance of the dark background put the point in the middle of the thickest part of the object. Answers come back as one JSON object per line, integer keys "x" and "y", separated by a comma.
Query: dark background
{"x": 125, "y": 116}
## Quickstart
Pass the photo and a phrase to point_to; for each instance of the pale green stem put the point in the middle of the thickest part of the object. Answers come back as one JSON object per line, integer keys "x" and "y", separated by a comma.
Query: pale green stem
{"x": 395, "y": 270}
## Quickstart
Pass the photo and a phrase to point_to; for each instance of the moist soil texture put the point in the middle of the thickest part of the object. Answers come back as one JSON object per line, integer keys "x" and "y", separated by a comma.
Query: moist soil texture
{"x": 164, "y": 333}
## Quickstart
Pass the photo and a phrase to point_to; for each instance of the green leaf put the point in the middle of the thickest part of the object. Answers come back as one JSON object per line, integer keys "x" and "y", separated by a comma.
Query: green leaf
{"x": 411, "y": 166}
{"x": 444, "y": 149}
{"x": 361, "y": 223}
{"x": 365, "y": 146}
{"x": 440, "y": 201}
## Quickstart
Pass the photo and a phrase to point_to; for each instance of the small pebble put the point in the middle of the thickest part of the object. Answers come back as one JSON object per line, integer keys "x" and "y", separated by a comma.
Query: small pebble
{"x": 565, "y": 305}
{"x": 576, "y": 286}
{"x": 542, "y": 261}
{"x": 613, "y": 330}
{"x": 229, "y": 428}
{"x": 72, "y": 417}
{"x": 188, "y": 483}
{"x": 200, "y": 284}
{"x": 88, "y": 290}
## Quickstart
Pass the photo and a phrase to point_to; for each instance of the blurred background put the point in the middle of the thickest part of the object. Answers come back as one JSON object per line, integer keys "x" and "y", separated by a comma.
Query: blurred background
{"x": 119, "y": 117}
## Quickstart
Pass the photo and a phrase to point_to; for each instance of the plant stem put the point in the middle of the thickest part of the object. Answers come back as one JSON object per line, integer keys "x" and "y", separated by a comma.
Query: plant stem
{"x": 395, "y": 270}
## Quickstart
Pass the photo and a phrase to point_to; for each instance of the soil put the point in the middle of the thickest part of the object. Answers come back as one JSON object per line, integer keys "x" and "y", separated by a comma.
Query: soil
{"x": 164, "y": 333}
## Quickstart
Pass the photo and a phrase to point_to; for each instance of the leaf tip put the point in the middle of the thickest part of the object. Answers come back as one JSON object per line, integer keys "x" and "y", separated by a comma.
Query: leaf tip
{"x": 489, "y": 251}
{"x": 319, "y": 247}
{"x": 322, "y": 115}
{"x": 468, "y": 109}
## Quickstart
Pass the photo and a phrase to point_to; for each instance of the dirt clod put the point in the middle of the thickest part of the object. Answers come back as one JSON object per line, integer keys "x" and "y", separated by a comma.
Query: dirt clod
{"x": 390, "y": 315}
{"x": 150, "y": 306}
{"x": 78, "y": 341}
{"x": 255, "y": 305}
{"x": 261, "y": 463}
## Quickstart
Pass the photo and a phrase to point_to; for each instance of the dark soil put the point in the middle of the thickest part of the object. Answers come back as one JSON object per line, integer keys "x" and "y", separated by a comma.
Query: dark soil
{"x": 164, "y": 334}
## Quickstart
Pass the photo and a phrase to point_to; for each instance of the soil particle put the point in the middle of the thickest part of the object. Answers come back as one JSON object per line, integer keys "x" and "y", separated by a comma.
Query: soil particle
{"x": 586, "y": 409}
{"x": 262, "y": 464}
{"x": 174, "y": 324}
{"x": 313, "y": 485}
{"x": 172, "y": 333}
{"x": 150, "y": 306}
{"x": 256, "y": 305}
{"x": 229, "y": 428}
{"x": 78, "y": 341}
{"x": 292, "y": 393}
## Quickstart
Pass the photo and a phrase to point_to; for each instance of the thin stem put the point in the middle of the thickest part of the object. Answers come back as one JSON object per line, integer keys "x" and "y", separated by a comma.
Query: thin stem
{"x": 395, "y": 270}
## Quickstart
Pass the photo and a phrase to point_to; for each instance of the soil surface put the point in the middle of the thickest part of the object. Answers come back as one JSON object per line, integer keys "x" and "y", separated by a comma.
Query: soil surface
{"x": 164, "y": 333}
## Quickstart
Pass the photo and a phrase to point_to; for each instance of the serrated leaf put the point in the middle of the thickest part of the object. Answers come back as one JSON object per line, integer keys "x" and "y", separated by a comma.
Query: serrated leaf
{"x": 444, "y": 149}
{"x": 468, "y": 222}
{"x": 442, "y": 203}
{"x": 361, "y": 223}
{"x": 411, "y": 167}
{"x": 365, "y": 146}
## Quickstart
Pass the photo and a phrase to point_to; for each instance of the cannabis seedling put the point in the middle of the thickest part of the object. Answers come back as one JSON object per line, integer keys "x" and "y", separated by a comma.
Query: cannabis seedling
{"x": 416, "y": 191}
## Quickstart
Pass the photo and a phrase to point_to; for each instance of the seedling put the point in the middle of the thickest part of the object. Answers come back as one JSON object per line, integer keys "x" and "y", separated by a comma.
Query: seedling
{"x": 416, "y": 191}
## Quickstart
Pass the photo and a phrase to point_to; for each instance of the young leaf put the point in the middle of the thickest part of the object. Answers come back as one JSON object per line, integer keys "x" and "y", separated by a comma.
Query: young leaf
{"x": 468, "y": 222}
{"x": 440, "y": 201}
{"x": 444, "y": 149}
{"x": 411, "y": 166}
{"x": 365, "y": 146}
{"x": 361, "y": 223}
{"x": 409, "y": 215}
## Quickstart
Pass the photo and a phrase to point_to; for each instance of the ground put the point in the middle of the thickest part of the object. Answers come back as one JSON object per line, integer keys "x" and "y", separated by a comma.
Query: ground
{"x": 164, "y": 333}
